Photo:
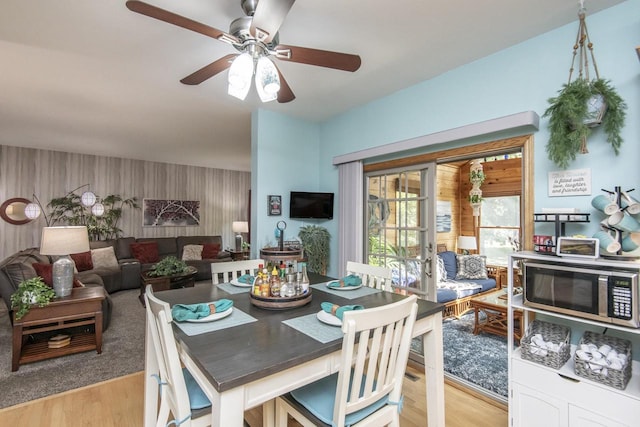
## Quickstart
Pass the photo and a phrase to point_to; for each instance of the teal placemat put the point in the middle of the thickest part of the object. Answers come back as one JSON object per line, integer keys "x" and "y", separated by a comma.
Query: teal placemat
{"x": 231, "y": 289}
{"x": 356, "y": 293}
{"x": 311, "y": 326}
{"x": 238, "y": 317}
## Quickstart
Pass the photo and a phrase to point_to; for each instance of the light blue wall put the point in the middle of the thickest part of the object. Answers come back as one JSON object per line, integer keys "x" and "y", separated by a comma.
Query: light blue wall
{"x": 517, "y": 79}
{"x": 284, "y": 158}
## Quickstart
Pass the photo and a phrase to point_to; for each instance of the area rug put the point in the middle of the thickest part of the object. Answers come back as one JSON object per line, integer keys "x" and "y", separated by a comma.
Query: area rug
{"x": 477, "y": 359}
{"x": 122, "y": 354}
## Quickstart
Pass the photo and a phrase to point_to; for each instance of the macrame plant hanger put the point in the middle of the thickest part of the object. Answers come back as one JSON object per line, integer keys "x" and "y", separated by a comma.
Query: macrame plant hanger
{"x": 580, "y": 51}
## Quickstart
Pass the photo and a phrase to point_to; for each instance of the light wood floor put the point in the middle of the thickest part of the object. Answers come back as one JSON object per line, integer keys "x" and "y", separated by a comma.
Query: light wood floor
{"x": 119, "y": 402}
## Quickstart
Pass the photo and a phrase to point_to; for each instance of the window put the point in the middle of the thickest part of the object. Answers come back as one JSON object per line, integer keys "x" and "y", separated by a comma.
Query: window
{"x": 499, "y": 229}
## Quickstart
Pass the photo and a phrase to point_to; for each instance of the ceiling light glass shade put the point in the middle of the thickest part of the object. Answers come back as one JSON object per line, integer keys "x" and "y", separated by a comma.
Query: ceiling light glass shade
{"x": 240, "y": 74}
{"x": 32, "y": 211}
{"x": 97, "y": 209}
{"x": 267, "y": 79}
{"x": 88, "y": 198}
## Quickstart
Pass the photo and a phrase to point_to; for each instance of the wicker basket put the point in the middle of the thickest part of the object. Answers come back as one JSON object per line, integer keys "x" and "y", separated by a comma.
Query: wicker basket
{"x": 616, "y": 378}
{"x": 550, "y": 332}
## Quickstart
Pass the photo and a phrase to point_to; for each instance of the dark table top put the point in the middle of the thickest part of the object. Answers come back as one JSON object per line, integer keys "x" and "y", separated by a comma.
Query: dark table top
{"x": 238, "y": 355}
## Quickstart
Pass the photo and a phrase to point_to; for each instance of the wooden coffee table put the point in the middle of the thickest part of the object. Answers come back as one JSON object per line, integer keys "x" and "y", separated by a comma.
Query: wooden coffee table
{"x": 164, "y": 283}
{"x": 82, "y": 307}
{"x": 494, "y": 306}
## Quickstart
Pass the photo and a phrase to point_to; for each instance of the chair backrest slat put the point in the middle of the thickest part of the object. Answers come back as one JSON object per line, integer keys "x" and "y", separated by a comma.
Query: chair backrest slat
{"x": 375, "y": 351}
{"x": 173, "y": 390}
{"x": 372, "y": 276}
{"x": 233, "y": 269}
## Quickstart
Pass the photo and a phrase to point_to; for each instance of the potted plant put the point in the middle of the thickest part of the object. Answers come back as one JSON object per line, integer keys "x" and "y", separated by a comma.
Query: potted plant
{"x": 69, "y": 210}
{"x": 30, "y": 292}
{"x": 571, "y": 116}
{"x": 168, "y": 267}
{"x": 315, "y": 243}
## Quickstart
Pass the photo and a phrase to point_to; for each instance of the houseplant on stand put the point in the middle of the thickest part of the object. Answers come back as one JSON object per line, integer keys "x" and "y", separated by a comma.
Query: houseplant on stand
{"x": 315, "y": 243}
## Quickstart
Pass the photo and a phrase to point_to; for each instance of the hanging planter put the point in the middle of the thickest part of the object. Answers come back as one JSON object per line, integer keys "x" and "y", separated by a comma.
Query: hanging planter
{"x": 476, "y": 177}
{"x": 581, "y": 105}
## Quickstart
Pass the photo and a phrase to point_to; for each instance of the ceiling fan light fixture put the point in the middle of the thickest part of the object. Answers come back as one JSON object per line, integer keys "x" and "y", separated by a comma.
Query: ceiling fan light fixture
{"x": 267, "y": 79}
{"x": 240, "y": 74}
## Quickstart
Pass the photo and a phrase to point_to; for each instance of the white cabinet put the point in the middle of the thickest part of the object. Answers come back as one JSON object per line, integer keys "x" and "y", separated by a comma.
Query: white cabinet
{"x": 544, "y": 397}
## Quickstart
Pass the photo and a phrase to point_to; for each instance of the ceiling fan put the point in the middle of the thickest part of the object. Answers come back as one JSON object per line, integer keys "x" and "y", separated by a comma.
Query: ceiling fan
{"x": 255, "y": 37}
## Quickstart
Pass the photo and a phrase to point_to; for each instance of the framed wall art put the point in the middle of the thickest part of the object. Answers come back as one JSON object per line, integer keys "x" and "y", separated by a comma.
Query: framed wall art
{"x": 275, "y": 205}
{"x": 170, "y": 213}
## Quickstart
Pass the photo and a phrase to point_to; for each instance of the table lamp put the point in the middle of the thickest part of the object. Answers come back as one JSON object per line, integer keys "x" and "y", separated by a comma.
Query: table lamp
{"x": 63, "y": 241}
{"x": 239, "y": 227}
{"x": 467, "y": 243}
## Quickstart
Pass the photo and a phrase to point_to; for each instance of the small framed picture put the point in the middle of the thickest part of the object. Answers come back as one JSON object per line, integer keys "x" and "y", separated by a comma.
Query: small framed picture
{"x": 275, "y": 205}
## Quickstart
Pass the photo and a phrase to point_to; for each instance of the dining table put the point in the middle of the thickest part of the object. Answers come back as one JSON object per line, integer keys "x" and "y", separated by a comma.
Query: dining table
{"x": 252, "y": 355}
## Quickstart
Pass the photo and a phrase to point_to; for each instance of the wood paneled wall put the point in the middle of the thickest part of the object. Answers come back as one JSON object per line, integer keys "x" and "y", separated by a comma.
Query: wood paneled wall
{"x": 448, "y": 188}
{"x": 223, "y": 194}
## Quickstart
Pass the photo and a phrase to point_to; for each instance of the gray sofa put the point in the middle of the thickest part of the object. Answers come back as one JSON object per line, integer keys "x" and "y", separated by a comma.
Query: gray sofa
{"x": 19, "y": 267}
{"x": 127, "y": 273}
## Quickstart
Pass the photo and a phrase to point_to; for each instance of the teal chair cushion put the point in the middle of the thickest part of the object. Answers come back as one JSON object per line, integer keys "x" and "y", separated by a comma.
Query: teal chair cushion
{"x": 319, "y": 398}
{"x": 197, "y": 398}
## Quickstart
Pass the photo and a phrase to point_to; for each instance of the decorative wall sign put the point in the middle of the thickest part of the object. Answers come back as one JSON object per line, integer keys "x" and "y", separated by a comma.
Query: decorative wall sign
{"x": 443, "y": 216}
{"x": 275, "y": 205}
{"x": 576, "y": 182}
{"x": 170, "y": 213}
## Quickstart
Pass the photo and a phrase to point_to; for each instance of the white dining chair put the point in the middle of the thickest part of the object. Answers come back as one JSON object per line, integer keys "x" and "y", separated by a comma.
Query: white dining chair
{"x": 366, "y": 391}
{"x": 372, "y": 276}
{"x": 233, "y": 269}
{"x": 180, "y": 396}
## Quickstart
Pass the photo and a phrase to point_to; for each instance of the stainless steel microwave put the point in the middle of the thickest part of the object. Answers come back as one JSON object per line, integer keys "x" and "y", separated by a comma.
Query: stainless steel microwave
{"x": 605, "y": 294}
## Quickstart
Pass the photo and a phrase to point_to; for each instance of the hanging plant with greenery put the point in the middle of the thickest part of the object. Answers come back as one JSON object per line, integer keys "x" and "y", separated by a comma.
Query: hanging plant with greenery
{"x": 568, "y": 113}
{"x": 582, "y": 104}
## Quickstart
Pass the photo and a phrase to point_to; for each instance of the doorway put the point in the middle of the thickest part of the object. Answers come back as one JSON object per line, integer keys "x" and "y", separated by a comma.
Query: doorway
{"x": 523, "y": 145}
{"x": 399, "y": 225}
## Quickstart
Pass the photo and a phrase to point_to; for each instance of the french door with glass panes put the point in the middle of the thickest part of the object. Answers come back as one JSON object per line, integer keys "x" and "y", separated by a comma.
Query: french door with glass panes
{"x": 400, "y": 224}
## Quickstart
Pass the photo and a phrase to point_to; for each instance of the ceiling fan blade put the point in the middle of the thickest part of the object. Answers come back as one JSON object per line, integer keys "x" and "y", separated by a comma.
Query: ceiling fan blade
{"x": 210, "y": 70}
{"x": 180, "y": 21}
{"x": 285, "y": 94}
{"x": 268, "y": 18}
{"x": 322, "y": 58}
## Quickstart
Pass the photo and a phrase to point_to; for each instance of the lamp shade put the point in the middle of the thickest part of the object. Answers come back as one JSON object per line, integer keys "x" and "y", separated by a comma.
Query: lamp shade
{"x": 88, "y": 198}
{"x": 32, "y": 210}
{"x": 239, "y": 77}
{"x": 240, "y": 227}
{"x": 64, "y": 240}
{"x": 467, "y": 242}
{"x": 267, "y": 80}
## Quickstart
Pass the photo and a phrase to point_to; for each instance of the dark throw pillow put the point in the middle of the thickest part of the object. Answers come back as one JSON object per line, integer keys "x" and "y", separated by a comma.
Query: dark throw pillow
{"x": 210, "y": 250}
{"x": 83, "y": 261}
{"x": 145, "y": 252}
{"x": 46, "y": 272}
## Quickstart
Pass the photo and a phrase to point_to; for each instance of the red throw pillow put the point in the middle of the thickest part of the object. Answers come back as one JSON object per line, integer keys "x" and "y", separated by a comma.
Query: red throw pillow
{"x": 210, "y": 250}
{"x": 83, "y": 261}
{"x": 145, "y": 252}
{"x": 46, "y": 272}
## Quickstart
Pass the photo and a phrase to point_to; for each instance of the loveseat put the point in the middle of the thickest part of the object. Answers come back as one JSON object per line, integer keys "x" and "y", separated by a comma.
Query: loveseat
{"x": 460, "y": 278}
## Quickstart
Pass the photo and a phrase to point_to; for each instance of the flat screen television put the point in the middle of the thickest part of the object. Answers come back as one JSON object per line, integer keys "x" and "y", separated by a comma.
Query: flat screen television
{"x": 306, "y": 205}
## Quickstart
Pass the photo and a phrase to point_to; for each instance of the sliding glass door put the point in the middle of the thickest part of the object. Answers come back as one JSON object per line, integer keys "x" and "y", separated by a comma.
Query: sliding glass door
{"x": 400, "y": 223}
